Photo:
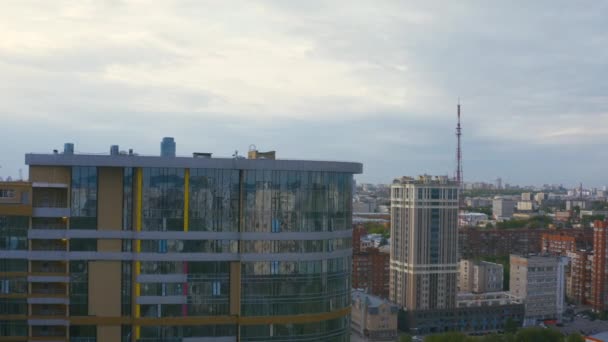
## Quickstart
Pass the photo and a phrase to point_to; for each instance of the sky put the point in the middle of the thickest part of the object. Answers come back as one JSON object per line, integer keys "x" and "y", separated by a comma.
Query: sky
{"x": 375, "y": 82}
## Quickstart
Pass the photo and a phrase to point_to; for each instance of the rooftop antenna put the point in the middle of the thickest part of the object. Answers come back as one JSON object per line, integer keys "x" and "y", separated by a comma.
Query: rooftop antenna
{"x": 20, "y": 174}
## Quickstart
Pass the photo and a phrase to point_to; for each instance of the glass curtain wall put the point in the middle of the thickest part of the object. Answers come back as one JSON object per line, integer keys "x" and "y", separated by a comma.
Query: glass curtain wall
{"x": 84, "y": 198}
{"x": 13, "y": 232}
{"x": 163, "y": 199}
{"x": 297, "y": 201}
{"x": 214, "y": 200}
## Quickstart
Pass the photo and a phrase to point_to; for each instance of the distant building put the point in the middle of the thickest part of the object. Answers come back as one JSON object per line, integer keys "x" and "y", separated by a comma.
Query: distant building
{"x": 540, "y": 281}
{"x": 525, "y": 206}
{"x": 478, "y": 202}
{"x": 526, "y": 196}
{"x": 371, "y": 241}
{"x": 540, "y": 197}
{"x": 371, "y": 271}
{"x": 600, "y": 265}
{"x": 473, "y": 243}
{"x": 373, "y": 318}
{"x": 563, "y": 216}
{"x": 480, "y": 276}
{"x": 364, "y": 207}
{"x": 167, "y": 147}
{"x": 579, "y": 277}
{"x": 581, "y": 204}
{"x": 503, "y": 208}
{"x": 558, "y": 244}
{"x": 472, "y": 219}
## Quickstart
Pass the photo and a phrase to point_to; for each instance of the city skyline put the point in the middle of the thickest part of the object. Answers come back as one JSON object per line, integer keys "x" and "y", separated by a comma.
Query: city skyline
{"x": 370, "y": 83}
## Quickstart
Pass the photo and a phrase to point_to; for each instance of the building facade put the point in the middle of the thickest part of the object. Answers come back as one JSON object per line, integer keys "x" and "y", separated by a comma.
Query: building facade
{"x": 503, "y": 208}
{"x": 579, "y": 277}
{"x": 479, "y": 314}
{"x": 373, "y": 318}
{"x": 473, "y": 243}
{"x": 424, "y": 242}
{"x": 600, "y": 266}
{"x": 133, "y": 248}
{"x": 479, "y": 276}
{"x": 540, "y": 281}
{"x": 558, "y": 244}
{"x": 371, "y": 271}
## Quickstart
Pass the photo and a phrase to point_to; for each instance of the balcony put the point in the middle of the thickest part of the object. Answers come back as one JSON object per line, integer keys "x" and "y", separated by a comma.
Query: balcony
{"x": 49, "y": 267}
{"x": 49, "y": 222}
{"x": 50, "y": 202}
{"x": 47, "y": 333}
{"x": 49, "y": 245}
{"x": 57, "y": 310}
{"x": 49, "y": 289}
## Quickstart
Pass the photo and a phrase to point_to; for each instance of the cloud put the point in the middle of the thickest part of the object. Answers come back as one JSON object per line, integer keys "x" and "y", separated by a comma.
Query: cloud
{"x": 370, "y": 81}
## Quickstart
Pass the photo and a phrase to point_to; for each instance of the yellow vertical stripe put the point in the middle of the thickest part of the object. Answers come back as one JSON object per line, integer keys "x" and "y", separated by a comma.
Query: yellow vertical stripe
{"x": 186, "y": 198}
{"x": 138, "y": 226}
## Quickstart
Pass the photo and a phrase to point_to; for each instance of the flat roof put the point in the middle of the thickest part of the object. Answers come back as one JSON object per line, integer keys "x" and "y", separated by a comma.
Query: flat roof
{"x": 60, "y": 159}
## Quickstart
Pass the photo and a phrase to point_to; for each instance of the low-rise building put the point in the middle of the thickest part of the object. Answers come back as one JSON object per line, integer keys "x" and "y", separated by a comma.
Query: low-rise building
{"x": 581, "y": 204}
{"x": 373, "y": 318}
{"x": 563, "y": 215}
{"x": 472, "y": 219}
{"x": 479, "y": 276}
{"x": 372, "y": 241}
{"x": 540, "y": 281}
{"x": 474, "y": 313}
{"x": 525, "y": 206}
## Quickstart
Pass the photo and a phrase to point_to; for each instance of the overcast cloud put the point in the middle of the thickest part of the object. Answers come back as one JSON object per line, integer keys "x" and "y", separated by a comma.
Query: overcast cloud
{"x": 369, "y": 81}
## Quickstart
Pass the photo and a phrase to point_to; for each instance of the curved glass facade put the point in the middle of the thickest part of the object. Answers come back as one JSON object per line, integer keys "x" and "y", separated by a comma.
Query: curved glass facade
{"x": 297, "y": 201}
{"x": 180, "y": 249}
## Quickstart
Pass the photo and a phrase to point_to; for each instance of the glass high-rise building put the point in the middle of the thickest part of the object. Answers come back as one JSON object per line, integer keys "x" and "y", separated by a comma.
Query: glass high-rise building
{"x": 141, "y": 248}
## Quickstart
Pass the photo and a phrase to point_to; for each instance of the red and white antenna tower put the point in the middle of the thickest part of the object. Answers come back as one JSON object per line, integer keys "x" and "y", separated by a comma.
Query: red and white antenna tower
{"x": 458, "y": 177}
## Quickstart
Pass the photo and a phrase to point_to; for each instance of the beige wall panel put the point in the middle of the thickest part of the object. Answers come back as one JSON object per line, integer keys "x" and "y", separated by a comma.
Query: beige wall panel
{"x": 109, "y": 198}
{"x": 235, "y": 288}
{"x": 104, "y": 288}
{"x": 50, "y": 174}
{"x": 104, "y": 245}
{"x": 109, "y": 333}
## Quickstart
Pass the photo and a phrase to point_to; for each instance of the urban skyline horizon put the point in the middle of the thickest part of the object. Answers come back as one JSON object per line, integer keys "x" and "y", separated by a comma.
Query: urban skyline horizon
{"x": 14, "y": 171}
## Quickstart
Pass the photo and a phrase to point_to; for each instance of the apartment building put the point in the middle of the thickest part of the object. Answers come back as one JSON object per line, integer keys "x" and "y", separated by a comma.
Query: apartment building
{"x": 600, "y": 266}
{"x": 579, "y": 277}
{"x": 540, "y": 281}
{"x": 424, "y": 242}
{"x": 479, "y": 276}
{"x": 122, "y": 247}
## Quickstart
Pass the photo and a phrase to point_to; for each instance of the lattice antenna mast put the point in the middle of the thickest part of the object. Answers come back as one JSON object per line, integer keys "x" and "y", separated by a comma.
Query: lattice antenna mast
{"x": 459, "y": 178}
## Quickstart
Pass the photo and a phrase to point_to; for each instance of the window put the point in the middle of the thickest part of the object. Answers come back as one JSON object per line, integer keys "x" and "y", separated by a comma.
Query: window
{"x": 7, "y": 193}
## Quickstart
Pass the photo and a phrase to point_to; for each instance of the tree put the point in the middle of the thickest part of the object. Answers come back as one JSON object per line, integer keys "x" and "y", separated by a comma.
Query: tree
{"x": 449, "y": 337}
{"x": 405, "y": 338}
{"x": 575, "y": 337}
{"x": 538, "y": 335}
{"x": 511, "y": 326}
